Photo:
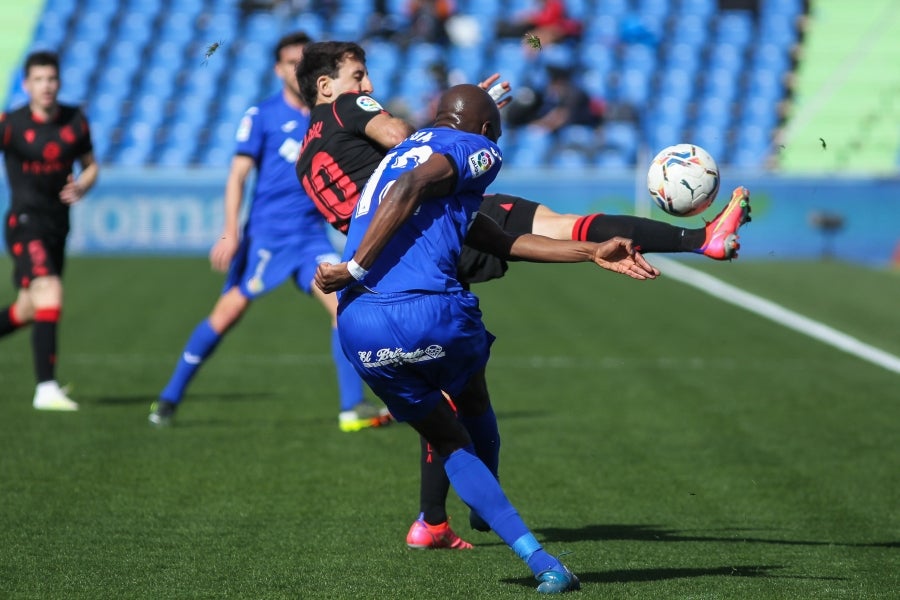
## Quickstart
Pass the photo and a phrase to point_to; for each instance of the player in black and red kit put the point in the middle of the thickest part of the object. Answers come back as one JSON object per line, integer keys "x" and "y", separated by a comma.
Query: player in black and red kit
{"x": 41, "y": 142}
{"x": 349, "y": 135}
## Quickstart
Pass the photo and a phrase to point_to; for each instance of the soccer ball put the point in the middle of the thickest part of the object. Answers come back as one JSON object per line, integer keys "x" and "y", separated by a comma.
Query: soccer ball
{"x": 683, "y": 180}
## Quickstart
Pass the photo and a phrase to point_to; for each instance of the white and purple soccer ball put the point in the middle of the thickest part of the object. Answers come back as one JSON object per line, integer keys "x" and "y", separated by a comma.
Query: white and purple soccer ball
{"x": 683, "y": 180}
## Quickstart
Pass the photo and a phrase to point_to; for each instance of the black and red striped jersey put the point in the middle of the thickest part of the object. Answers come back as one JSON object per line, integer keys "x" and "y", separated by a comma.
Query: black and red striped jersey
{"x": 337, "y": 158}
{"x": 39, "y": 157}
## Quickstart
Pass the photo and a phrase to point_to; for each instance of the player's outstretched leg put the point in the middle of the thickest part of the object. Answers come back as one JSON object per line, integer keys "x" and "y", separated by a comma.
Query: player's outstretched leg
{"x": 718, "y": 239}
{"x": 721, "y": 241}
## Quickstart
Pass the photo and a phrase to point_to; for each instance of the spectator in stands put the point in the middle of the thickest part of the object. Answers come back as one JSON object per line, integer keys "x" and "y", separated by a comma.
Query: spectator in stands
{"x": 550, "y": 23}
{"x": 428, "y": 21}
{"x": 563, "y": 102}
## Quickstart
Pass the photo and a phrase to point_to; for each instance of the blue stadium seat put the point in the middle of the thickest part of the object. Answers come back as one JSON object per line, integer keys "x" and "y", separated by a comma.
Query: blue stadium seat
{"x": 348, "y": 25}
{"x": 721, "y": 83}
{"x": 136, "y": 27}
{"x": 579, "y": 137}
{"x": 771, "y": 57}
{"x": 690, "y": 28}
{"x": 598, "y": 55}
{"x": 50, "y": 32}
{"x": 126, "y": 55}
{"x": 310, "y": 23}
{"x": 621, "y": 136}
{"x": 61, "y": 8}
{"x": 215, "y": 156}
{"x": 175, "y": 155}
{"x": 698, "y": 7}
{"x": 613, "y": 159}
{"x": 778, "y": 31}
{"x": 176, "y": 27}
{"x": 711, "y": 138}
{"x": 593, "y": 81}
{"x": 92, "y": 25}
{"x": 727, "y": 55}
{"x": 682, "y": 55}
{"x": 612, "y": 7}
{"x": 677, "y": 83}
{"x": 149, "y": 8}
{"x": 570, "y": 159}
{"x": 734, "y": 27}
{"x": 603, "y": 29}
{"x": 639, "y": 56}
{"x": 633, "y": 87}
{"x": 714, "y": 111}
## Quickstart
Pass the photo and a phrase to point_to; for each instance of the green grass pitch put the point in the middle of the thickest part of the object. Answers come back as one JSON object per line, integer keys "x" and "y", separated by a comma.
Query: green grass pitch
{"x": 674, "y": 445}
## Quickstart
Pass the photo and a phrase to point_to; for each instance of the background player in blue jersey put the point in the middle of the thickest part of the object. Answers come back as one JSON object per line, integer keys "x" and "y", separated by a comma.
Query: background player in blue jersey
{"x": 348, "y": 137}
{"x": 41, "y": 142}
{"x": 284, "y": 237}
{"x": 412, "y": 329}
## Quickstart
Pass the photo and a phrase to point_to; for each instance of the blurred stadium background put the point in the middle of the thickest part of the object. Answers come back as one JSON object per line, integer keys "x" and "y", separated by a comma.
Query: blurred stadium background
{"x": 797, "y": 99}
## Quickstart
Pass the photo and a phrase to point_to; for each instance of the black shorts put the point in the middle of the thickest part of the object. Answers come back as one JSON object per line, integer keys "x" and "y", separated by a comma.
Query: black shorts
{"x": 36, "y": 250}
{"x": 515, "y": 216}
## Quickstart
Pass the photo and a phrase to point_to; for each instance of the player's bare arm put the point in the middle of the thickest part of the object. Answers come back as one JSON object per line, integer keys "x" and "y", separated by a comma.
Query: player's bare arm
{"x": 617, "y": 254}
{"x": 387, "y": 131}
{"x": 434, "y": 177}
{"x": 223, "y": 250}
{"x": 75, "y": 188}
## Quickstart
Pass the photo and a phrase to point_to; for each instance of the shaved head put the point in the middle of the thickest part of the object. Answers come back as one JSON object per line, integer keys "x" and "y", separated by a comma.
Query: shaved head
{"x": 469, "y": 108}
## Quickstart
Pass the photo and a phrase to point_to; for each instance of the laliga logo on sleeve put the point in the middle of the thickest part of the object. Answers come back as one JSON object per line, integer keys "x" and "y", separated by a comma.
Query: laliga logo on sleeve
{"x": 480, "y": 163}
{"x": 368, "y": 104}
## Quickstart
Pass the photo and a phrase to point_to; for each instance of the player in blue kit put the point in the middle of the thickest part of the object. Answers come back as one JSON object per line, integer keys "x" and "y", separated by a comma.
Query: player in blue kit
{"x": 284, "y": 237}
{"x": 412, "y": 329}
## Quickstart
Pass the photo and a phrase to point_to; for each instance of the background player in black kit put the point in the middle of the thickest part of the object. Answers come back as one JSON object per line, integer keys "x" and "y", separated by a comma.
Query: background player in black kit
{"x": 41, "y": 142}
{"x": 349, "y": 134}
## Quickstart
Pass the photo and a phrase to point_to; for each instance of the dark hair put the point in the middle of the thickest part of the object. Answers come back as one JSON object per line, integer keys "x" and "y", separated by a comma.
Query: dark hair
{"x": 323, "y": 58}
{"x": 42, "y": 58}
{"x": 297, "y": 38}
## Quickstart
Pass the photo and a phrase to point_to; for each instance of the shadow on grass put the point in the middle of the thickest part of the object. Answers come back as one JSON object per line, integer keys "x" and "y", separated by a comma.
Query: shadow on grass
{"x": 657, "y": 533}
{"x": 123, "y": 400}
{"x": 662, "y": 574}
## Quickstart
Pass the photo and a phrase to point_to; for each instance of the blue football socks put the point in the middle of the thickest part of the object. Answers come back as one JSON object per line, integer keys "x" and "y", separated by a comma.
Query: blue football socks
{"x": 486, "y": 437}
{"x": 199, "y": 346}
{"x": 350, "y": 386}
{"x": 478, "y": 488}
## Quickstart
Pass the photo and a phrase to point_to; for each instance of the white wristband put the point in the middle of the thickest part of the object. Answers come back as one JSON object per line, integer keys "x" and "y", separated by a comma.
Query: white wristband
{"x": 355, "y": 270}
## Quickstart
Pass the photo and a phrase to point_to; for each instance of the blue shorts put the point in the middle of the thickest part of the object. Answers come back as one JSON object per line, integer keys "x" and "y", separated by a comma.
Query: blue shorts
{"x": 262, "y": 264}
{"x": 409, "y": 347}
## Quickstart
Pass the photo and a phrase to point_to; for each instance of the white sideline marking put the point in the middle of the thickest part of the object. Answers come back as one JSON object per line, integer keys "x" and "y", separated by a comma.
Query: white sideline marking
{"x": 777, "y": 313}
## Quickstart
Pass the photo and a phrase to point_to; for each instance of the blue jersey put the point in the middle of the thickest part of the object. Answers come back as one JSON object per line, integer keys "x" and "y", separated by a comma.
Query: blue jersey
{"x": 271, "y": 133}
{"x": 423, "y": 254}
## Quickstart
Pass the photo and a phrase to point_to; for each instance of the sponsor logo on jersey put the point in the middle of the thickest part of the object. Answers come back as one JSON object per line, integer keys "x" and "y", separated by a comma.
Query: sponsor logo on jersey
{"x": 399, "y": 356}
{"x": 289, "y": 150}
{"x": 289, "y": 126}
{"x": 480, "y": 162}
{"x": 243, "y": 130}
{"x": 368, "y": 104}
